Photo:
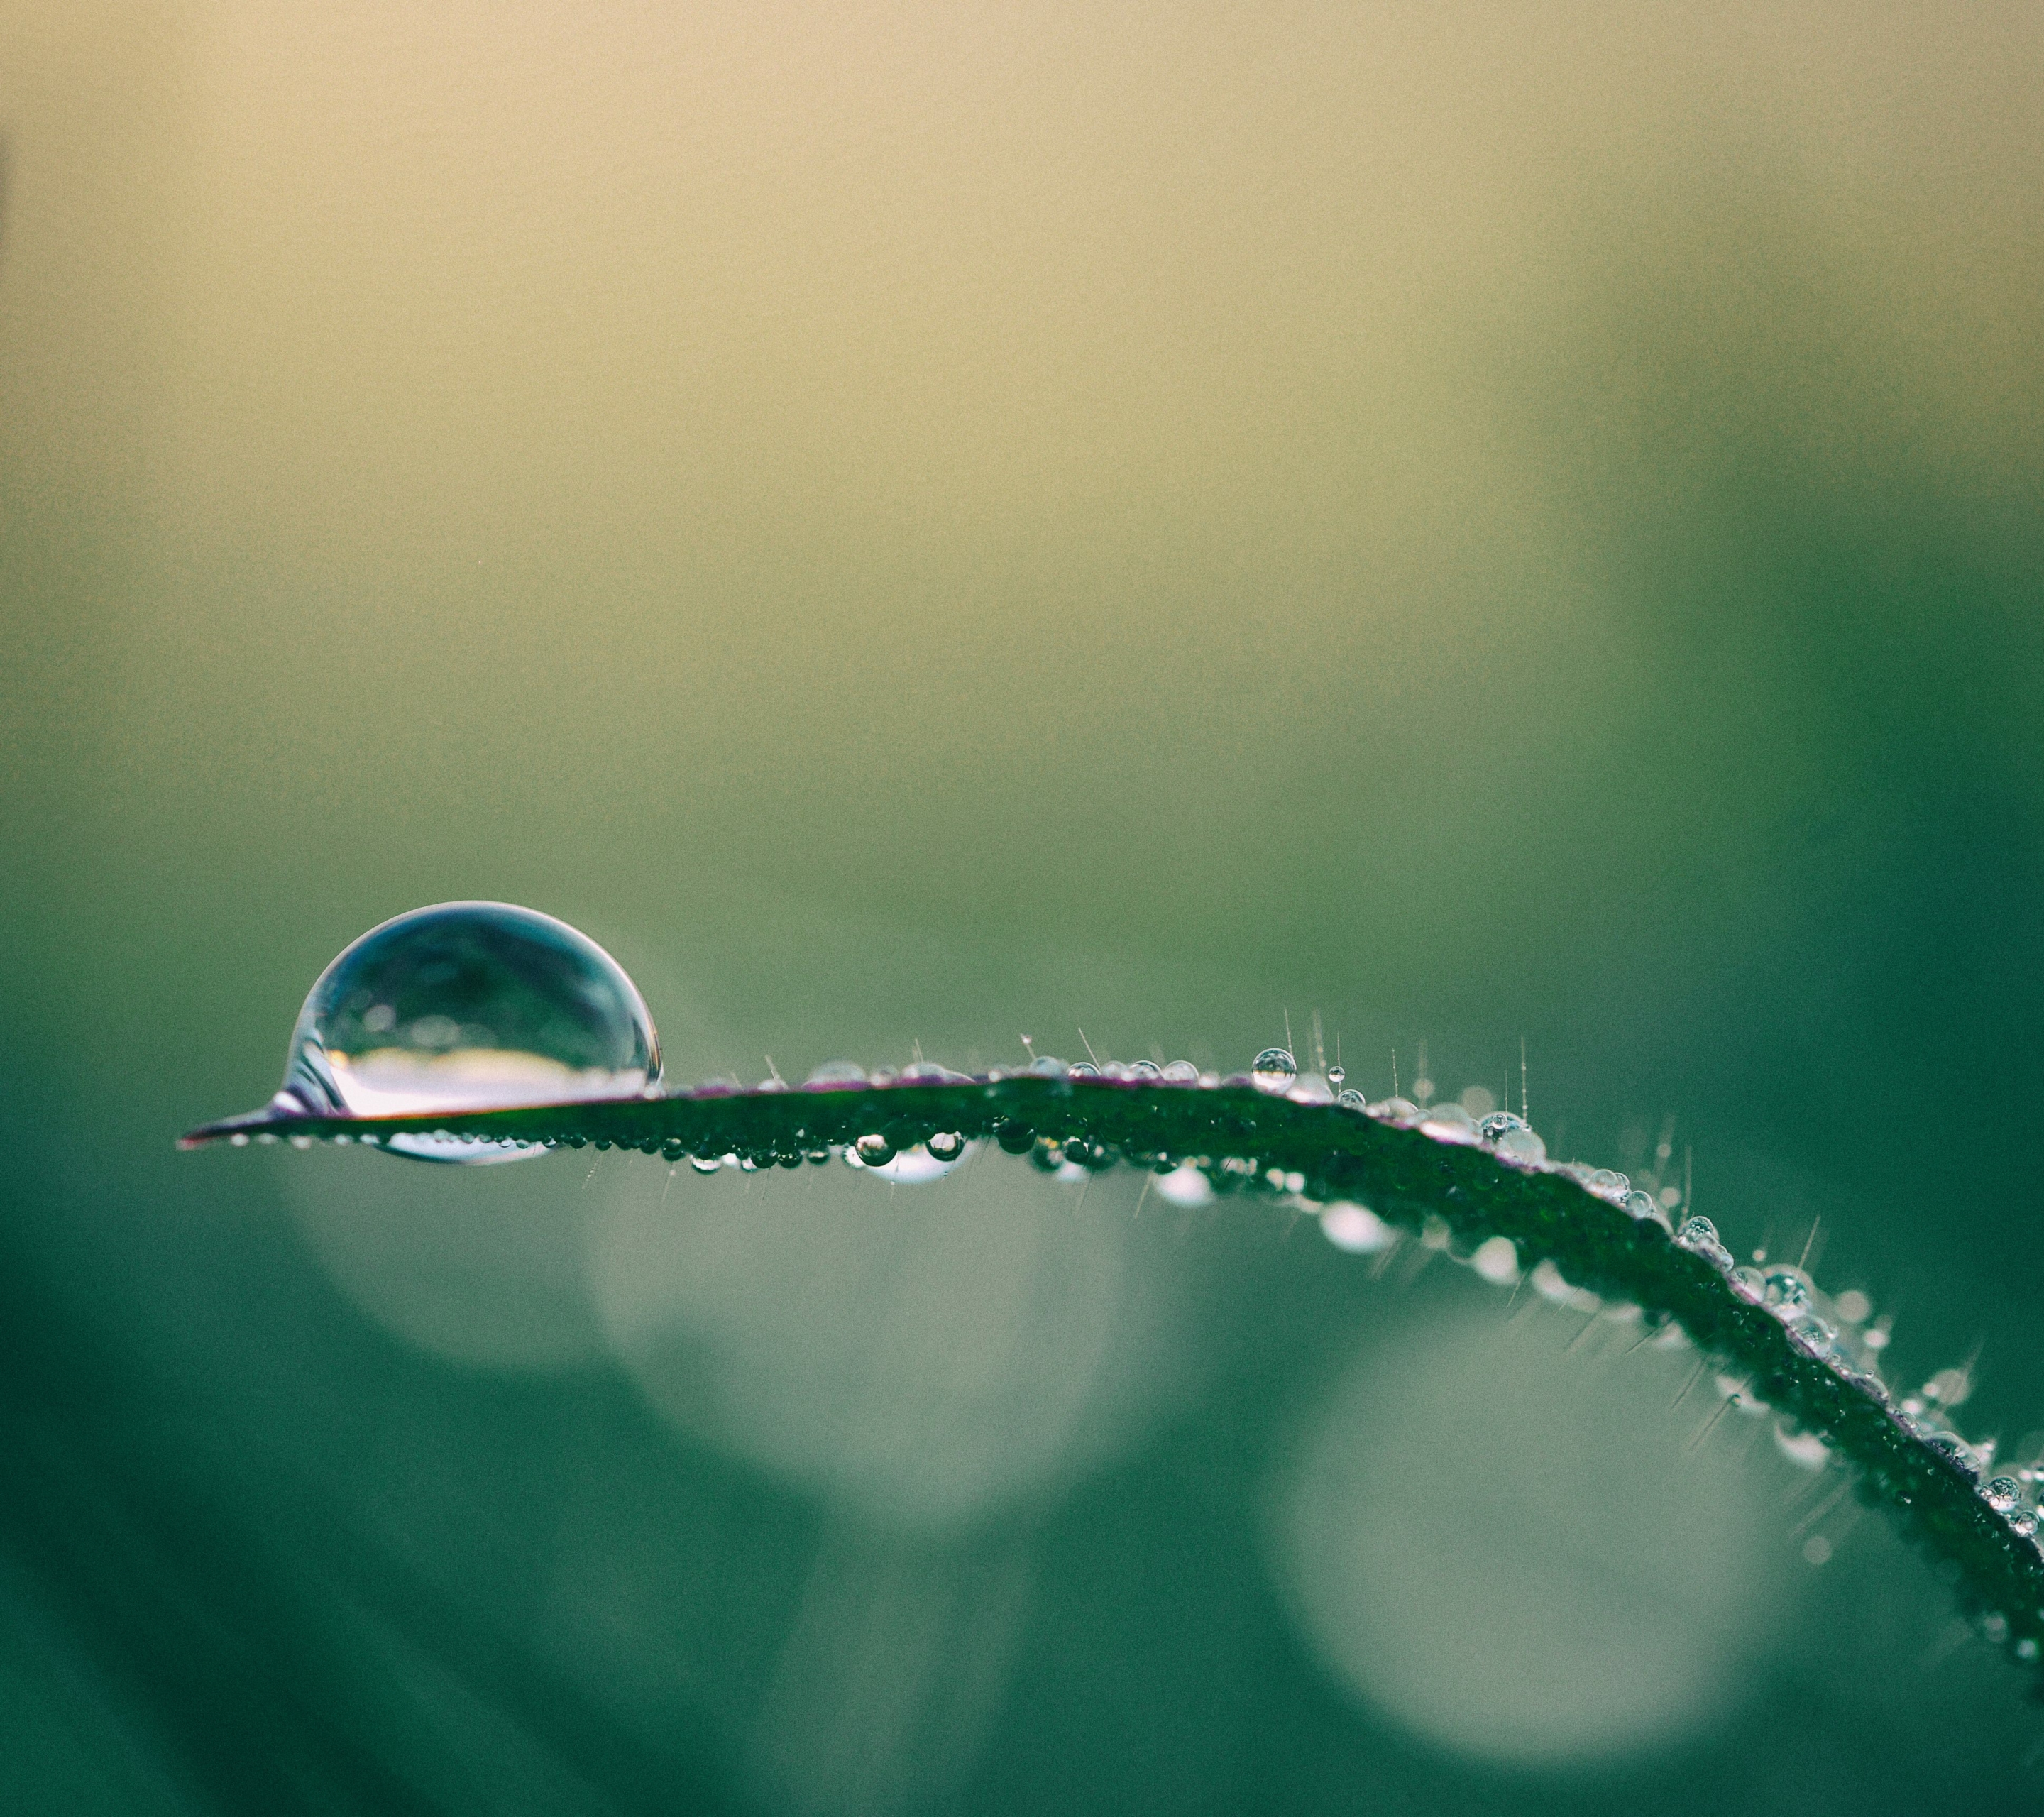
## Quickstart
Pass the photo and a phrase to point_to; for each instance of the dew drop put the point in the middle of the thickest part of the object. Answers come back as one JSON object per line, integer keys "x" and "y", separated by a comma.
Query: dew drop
{"x": 1082, "y": 1069}
{"x": 836, "y": 1075}
{"x": 2023, "y": 1520}
{"x": 915, "y": 1166}
{"x": 1273, "y": 1071}
{"x": 1608, "y": 1183}
{"x": 1394, "y": 1110}
{"x": 1354, "y": 1227}
{"x": 1699, "y": 1237}
{"x": 468, "y": 1006}
{"x": 1496, "y": 1261}
{"x": 1181, "y": 1072}
{"x": 1352, "y": 1100}
{"x": 1786, "y": 1290}
{"x": 1311, "y": 1088}
{"x": 872, "y": 1150}
{"x": 2001, "y": 1494}
{"x": 1336, "y": 1073}
{"x": 946, "y": 1147}
{"x": 1186, "y": 1186}
{"x": 1448, "y": 1122}
{"x": 1499, "y": 1122}
{"x": 1521, "y": 1145}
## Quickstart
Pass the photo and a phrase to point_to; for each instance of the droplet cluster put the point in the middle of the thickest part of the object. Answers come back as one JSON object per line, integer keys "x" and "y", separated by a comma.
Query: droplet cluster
{"x": 475, "y": 1008}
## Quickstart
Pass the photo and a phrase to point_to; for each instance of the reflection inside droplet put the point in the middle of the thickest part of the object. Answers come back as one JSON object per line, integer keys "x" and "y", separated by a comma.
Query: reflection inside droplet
{"x": 464, "y": 1007}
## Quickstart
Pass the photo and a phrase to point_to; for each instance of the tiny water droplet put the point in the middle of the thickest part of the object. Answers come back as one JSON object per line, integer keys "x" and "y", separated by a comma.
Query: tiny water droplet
{"x": 1181, "y": 1072}
{"x": 1699, "y": 1237}
{"x": 915, "y": 1166}
{"x": 1787, "y": 1290}
{"x": 1448, "y": 1122}
{"x": 2001, "y": 1494}
{"x": 1354, "y": 1227}
{"x": 1273, "y": 1069}
{"x": 1336, "y": 1073}
{"x": 1496, "y": 1261}
{"x": 468, "y": 1006}
{"x": 1082, "y": 1069}
{"x": 1144, "y": 1070}
{"x": 1186, "y": 1186}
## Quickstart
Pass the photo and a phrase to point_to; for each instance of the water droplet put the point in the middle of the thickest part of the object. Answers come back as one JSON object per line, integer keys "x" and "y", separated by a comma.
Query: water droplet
{"x": 1521, "y": 1145}
{"x": 1787, "y": 1290}
{"x": 468, "y": 1006}
{"x": 1144, "y": 1070}
{"x": 1394, "y": 1110}
{"x": 1608, "y": 1183}
{"x": 871, "y": 1150}
{"x": 2001, "y": 1494}
{"x": 915, "y": 1166}
{"x": 1352, "y": 1100}
{"x": 836, "y": 1075}
{"x": 1448, "y": 1122}
{"x": 1048, "y": 1067}
{"x": 1082, "y": 1069}
{"x": 2023, "y": 1520}
{"x": 947, "y": 1146}
{"x": 1951, "y": 1446}
{"x": 1311, "y": 1088}
{"x": 1355, "y": 1228}
{"x": 1336, "y": 1073}
{"x": 1273, "y": 1071}
{"x": 1496, "y": 1261}
{"x": 1699, "y": 1237}
{"x": 1499, "y": 1122}
{"x": 1812, "y": 1332}
{"x": 1181, "y": 1072}
{"x": 1186, "y": 1186}
{"x": 1746, "y": 1282}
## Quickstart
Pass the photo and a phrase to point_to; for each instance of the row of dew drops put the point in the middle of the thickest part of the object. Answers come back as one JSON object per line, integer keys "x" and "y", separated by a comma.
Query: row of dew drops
{"x": 479, "y": 1004}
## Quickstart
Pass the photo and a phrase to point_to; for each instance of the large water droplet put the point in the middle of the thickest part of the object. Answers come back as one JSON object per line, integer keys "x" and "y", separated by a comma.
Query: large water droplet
{"x": 1273, "y": 1071}
{"x": 468, "y": 1006}
{"x": 2002, "y": 1493}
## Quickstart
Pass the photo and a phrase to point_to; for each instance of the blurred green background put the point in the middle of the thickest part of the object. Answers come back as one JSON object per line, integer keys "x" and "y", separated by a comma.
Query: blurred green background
{"x": 924, "y": 523}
